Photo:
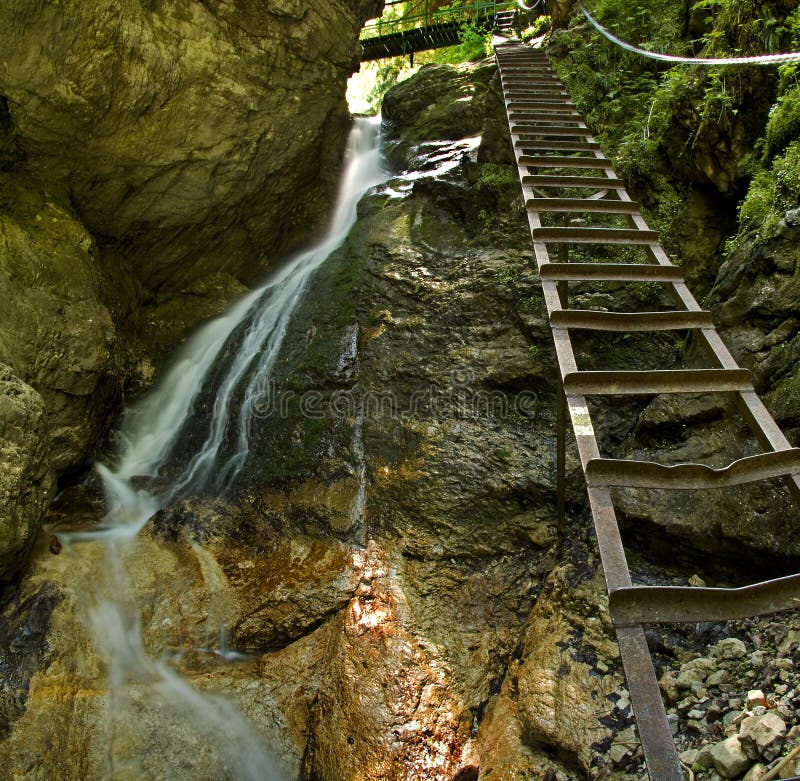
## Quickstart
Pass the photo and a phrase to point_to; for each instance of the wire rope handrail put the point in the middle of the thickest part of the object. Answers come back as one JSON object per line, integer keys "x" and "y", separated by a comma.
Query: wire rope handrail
{"x": 759, "y": 59}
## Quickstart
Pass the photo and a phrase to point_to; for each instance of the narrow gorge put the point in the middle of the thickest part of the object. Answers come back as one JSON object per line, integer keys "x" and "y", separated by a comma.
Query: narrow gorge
{"x": 278, "y": 402}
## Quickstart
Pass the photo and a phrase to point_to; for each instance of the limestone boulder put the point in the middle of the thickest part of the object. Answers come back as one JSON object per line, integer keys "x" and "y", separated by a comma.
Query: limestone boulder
{"x": 55, "y": 330}
{"x": 26, "y": 477}
{"x": 442, "y": 103}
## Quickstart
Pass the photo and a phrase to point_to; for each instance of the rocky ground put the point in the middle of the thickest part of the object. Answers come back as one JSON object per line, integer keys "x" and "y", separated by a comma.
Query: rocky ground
{"x": 389, "y": 571}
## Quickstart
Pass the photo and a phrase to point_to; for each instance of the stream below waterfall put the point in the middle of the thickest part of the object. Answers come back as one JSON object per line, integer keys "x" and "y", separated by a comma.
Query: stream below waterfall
{"x": 237, "y": 352}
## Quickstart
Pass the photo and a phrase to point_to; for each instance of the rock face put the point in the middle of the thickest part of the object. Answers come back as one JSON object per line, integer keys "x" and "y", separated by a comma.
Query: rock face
{"x": 26, "y": 482}
{"x": 185, "y": 131}
{"x": 155, "y": 157}
{"x": 54, "y": 329}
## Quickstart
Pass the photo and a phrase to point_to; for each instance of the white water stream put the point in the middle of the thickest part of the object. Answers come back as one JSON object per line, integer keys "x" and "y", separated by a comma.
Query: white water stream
{"x": 238, "y": 350}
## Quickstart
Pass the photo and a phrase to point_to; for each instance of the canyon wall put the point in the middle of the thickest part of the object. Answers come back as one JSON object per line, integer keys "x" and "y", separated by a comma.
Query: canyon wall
{"x": 155, "y": 159}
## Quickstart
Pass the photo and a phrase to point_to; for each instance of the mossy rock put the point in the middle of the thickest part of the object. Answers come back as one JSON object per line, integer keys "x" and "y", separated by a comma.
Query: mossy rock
{"x": 442, "y": 102}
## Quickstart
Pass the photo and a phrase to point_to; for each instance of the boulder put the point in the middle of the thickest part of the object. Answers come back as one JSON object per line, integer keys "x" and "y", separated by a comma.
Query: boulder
{"x": 441, "y": 102}
{"x": 55, "y": 331}
{"x": 729, "y": 757}
{"x": 26, "y": 478}
{"x": 762, "y": 736}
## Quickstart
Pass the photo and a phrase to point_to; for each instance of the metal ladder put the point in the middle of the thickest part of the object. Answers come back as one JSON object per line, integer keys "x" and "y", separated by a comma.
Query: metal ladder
{"x": 548, "y": 133}
{"x": 504, "y": 20}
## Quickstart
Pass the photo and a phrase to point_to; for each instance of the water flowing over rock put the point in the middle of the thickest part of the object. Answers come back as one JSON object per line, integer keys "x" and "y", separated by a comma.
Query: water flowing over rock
{"x": 152, "y": 153}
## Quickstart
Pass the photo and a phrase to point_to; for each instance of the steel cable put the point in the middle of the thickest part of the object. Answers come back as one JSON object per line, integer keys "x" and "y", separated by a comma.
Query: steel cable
{"x": 762, "y": 59}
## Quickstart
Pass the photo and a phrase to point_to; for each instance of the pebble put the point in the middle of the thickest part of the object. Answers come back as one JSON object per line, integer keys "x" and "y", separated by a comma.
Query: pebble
{"x": 672, "y": 720}
{"x": 689, "y": 757}
{"x": 718, "y": 677}
{"x": 756, "y": 772}
{"x": 693, "y": 672}
{"x": 754, "y": 698}
{"x": 736, "y": 709}
{"x": 732, "y": 717}
{"x": 704, "y": 757}
{"x": 729, "y": 757}
{"x": 714, "y": 712}
{"x": 792, "y": 218}
{"x": 762, "y": 735}
{"x": 730, "y": 648}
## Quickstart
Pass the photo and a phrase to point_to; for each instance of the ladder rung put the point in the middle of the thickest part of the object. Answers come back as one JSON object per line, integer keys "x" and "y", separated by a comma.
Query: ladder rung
{"x": 542, "y": 89}
{"x": 522, "y": 103}
{"x": 595, "y": 235}
{"x": 691, "y": 605}
{"x": 563, "y": 118}
{"x": 551, "y": 113}
{"x": 609, "y": 272}
{"x": 563, "y": 161}
{"x": 560, "y": 146}
{"x": 528, "y": 66}
{"x": 527, "y": 81}
{"x": 646, "y": 474}
{"x": 630, "y": 321}
{"x": 598, "y": 182}
{"x": 582, "y": 205}
{"x": 539, "y": 94}
{"x": 616, "y": 383}
{"x": 532, "y": 70}
{"x": 547, "y": 130}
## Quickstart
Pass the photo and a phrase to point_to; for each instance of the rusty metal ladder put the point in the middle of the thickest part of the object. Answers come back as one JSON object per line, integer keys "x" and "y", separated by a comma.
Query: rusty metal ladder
{"x": 548, "y": 133}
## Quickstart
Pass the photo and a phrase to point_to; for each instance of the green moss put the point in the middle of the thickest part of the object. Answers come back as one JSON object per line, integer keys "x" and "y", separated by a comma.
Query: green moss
{"x": 784, "y": 400}
{"x": 784, "y": 123}
{"x": 772, "y": 192}
{"x": 538, "y": 27}
{"x": 497, "y": 177}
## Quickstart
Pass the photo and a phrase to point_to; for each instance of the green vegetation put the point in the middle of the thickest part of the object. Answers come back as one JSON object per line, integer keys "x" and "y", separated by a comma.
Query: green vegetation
{"x": 538, "y": 27}
{"x": 775, "y": 185}
{"x": 367, "y": 87}
{"x": 475, "y": 44}
{"x": 773, "y": 191}
{"x": 670, "y": 129}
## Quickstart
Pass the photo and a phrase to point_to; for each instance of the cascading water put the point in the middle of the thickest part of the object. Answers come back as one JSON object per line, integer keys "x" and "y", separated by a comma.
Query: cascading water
{"x": 238, "y": 350}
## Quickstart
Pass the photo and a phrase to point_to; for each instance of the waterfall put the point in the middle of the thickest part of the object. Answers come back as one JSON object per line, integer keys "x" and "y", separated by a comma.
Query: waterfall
{"x": 151, "y": 430}
{"x": 238, "y": 351}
